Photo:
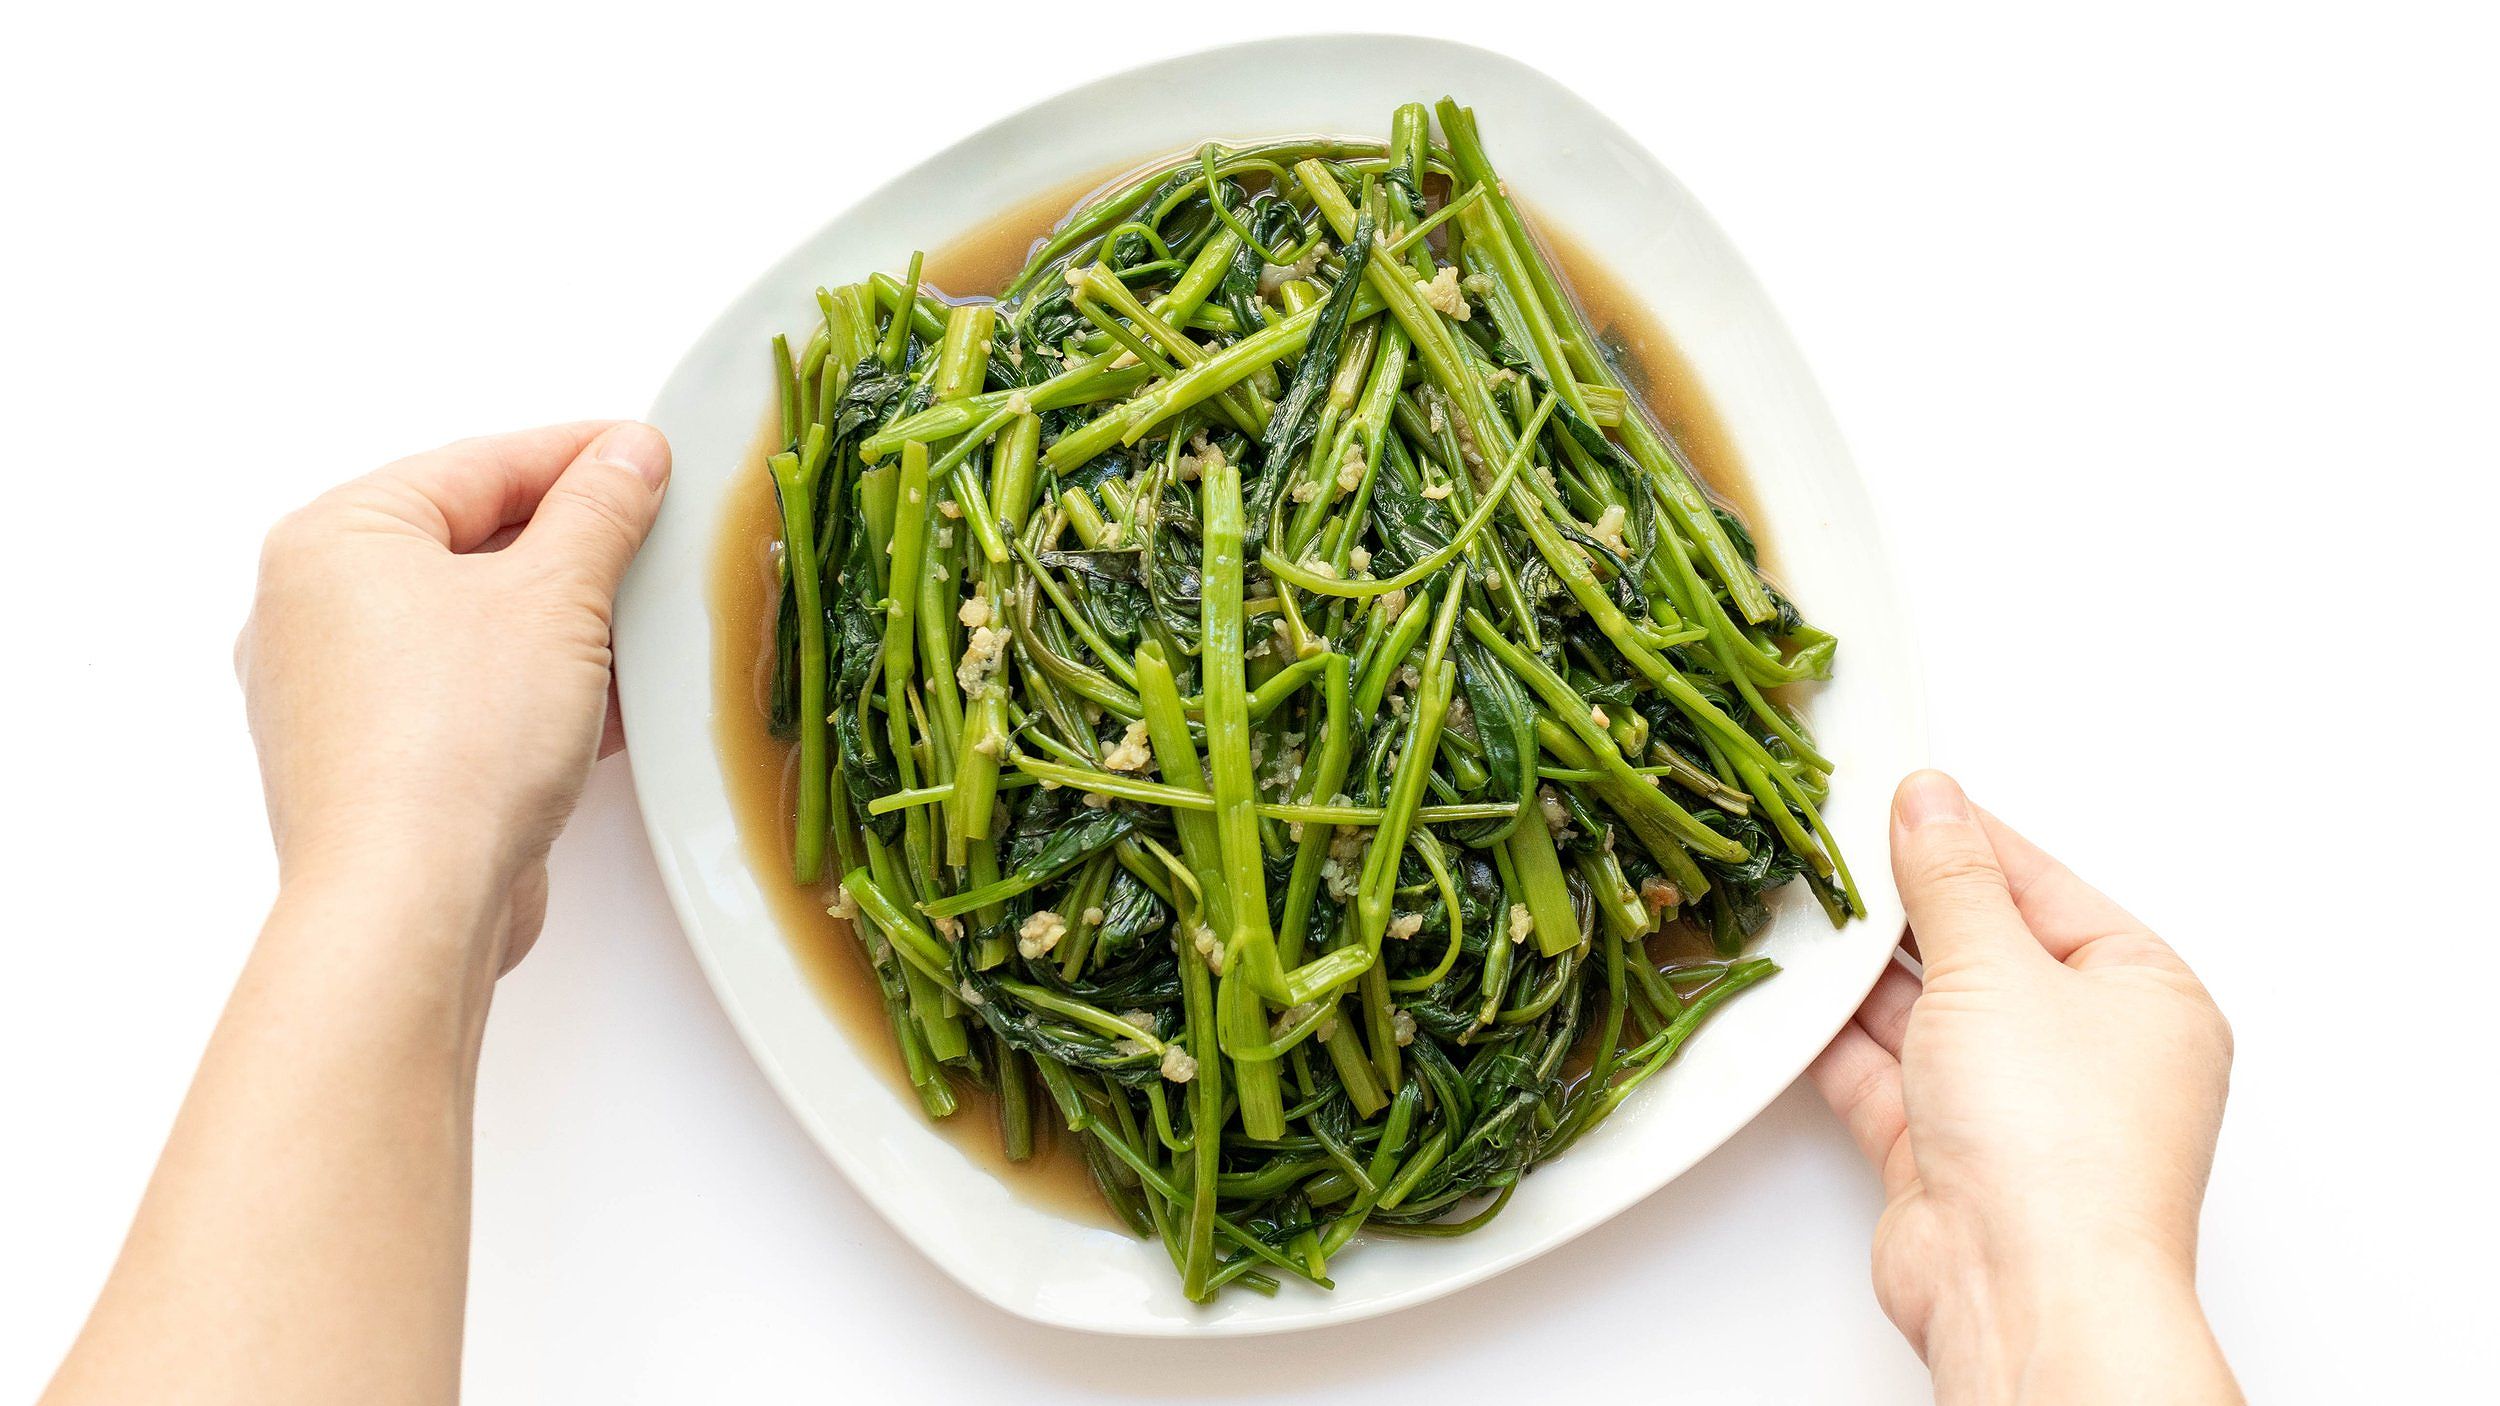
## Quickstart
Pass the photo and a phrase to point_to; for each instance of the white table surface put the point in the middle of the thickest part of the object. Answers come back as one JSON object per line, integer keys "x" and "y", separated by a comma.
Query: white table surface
{"x": 2165, "y": 334}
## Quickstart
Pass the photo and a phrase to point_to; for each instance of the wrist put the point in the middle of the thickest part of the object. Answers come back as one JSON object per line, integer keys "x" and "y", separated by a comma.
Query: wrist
{"x": 413, "y": 937}
{"x": 386, "y": 851}
{"x": 2114, "y": 1319}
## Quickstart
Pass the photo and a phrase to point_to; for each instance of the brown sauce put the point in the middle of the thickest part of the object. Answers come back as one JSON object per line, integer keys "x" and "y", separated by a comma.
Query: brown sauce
{"x": 1676, "y": 944}
{"x": 1655, "y": 370}
{"x": 979, "y": 262}
{"x": 761, "y": 769}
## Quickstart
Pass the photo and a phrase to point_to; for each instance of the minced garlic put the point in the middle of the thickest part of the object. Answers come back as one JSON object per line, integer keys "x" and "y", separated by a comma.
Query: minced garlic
{"x": 982, "y": 654}
{"x": 1203, "y": 939}
{"x": 1658, "y": 894}
{"x": 1132, "y": 752}
{"x": 1040, "y": 933}
{"x": 1557, "y": 815}
{"x": 1201, "y": 457}
{"x": 1290, "y": 1017}
{"x": 1275, "y": 276}
{"x": 1608, "y": 529}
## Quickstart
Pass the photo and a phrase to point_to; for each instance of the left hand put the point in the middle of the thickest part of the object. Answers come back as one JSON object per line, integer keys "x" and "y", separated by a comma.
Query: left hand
{"x": 426, "y": 666}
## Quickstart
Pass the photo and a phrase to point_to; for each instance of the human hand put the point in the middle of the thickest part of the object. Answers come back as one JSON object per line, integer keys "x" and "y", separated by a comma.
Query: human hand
{"x": 2042, "y": 1108}
{"x": 426, "y": 664}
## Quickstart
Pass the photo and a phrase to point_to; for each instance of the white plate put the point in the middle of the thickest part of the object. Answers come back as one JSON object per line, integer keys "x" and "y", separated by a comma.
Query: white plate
{"x": 1587, "y": 175}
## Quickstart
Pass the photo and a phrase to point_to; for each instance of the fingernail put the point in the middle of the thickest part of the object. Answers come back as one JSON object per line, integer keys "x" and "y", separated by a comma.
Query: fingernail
{"x": 1930, "y": 798}
{"x": 639, "y": 447}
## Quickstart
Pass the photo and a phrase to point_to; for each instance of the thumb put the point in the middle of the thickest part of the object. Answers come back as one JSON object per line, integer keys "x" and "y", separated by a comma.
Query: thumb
{"x": 599, "y": 510}
{"x": 1951, "y": 880}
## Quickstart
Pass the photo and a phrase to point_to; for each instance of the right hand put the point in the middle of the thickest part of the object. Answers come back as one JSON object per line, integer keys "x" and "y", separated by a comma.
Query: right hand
{"x": 2042, "y": 1106}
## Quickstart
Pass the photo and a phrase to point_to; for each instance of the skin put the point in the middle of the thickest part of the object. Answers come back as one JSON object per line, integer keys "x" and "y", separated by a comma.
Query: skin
{"x": 2041, "y": 1103}
{"x": 426, "y": 670}
{"x": 427, "y": 674}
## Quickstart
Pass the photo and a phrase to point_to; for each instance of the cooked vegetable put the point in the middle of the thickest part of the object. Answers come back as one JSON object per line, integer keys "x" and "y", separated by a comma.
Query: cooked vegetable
{"x": 1263, "y": 681}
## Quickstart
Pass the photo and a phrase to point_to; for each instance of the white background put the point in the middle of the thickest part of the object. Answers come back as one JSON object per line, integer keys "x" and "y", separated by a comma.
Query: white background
{"x": 2165, "y": 335}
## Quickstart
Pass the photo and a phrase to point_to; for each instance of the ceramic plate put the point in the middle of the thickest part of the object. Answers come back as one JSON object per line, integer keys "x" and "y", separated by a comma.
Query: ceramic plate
{"x": 1580, "y": 171}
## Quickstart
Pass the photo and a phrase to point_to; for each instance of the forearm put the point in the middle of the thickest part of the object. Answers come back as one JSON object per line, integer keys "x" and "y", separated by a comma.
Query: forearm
{"x": 2116, "y": 1326}
{"x": 305, "y": 1236}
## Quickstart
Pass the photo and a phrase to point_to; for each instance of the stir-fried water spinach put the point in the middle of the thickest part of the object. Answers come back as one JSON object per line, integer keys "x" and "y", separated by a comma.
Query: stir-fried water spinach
{"x": 1260, "y": 682}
